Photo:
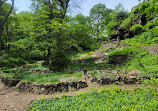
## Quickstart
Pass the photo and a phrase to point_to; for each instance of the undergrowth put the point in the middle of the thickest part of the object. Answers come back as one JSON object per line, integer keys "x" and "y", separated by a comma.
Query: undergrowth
{"x": 40, "y": 74}
{"x": 112, "y": 99}
{"x": 139, "y": 59}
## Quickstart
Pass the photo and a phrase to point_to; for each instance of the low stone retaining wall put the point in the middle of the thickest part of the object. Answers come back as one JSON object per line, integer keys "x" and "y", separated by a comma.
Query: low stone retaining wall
{"x": 9, "y": 81}
{"x": 104, "y": 81}
{"x": 50, "y": 88}
{"x": 30, "y": 87}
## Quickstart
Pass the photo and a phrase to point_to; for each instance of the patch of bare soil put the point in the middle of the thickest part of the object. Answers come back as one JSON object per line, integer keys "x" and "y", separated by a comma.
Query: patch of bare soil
{"x": 153, "y": 49}
{"x": 12, "y": 100}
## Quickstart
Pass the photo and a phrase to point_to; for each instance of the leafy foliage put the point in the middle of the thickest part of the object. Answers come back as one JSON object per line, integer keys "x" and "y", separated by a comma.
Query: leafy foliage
{"x": 40, "y": 74}
{"x": 137, "y": 29}
{"x": 58, "y": 61}
{"x": 109, "y": 99}
{"x": 139, "y": 59}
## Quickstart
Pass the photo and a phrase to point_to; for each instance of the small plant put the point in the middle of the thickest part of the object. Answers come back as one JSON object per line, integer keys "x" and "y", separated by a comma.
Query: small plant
{"x": 58, "y": 61}
{"x": 93, "y": 73}
{"x": 137, "y": 29}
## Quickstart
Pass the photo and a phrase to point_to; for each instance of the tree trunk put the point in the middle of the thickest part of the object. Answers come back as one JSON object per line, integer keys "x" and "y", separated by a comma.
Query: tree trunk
{"x": 48, "y": 56}
{"x": 1, "y": 25}
{"x": 118, "y": 41}
{"x": 1, "y": 40}
{"x": 3, "y": 21}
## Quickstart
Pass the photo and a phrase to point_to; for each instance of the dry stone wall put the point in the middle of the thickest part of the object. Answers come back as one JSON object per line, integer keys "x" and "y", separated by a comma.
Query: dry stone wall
{"x": 118, "y": 80}
{"x": 30, "y": 87}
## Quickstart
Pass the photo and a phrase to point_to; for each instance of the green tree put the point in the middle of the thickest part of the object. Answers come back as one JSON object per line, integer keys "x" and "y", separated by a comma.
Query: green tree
{"x": 118, "y": 15}
{"x": 100, "y": 17}
{"x": 51, "y": 15}
{"x": 80, "y": 33}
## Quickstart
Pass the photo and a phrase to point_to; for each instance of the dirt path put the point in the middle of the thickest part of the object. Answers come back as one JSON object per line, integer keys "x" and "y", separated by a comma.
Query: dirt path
{"x": 12, "y": 100}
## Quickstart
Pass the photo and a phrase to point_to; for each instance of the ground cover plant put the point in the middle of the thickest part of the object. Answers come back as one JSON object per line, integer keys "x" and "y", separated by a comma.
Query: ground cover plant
{"x": 113, "y": 99}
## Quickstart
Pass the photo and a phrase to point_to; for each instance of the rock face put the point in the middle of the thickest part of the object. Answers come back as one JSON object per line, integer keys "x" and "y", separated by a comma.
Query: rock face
{"x": 124, "y": 32}
{"x": 49, "y": 88}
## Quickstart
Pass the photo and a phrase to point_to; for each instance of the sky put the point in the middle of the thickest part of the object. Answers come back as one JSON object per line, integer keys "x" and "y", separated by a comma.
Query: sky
{"x": 86, "y": 5}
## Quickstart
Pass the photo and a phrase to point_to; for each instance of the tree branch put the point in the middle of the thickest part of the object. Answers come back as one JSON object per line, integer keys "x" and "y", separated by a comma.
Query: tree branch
{"x": 6, "y": 17}
{"x": 3, "y": 1}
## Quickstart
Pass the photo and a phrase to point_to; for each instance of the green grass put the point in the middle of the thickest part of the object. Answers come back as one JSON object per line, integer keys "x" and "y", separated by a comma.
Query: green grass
{"x": 140, "y": 59}
{"x": 89, "y": 66}
{"x": 74, "y": 55}
{"x": 45, "y": 77}
{"x": 113, "y": 99}
{"x": 129, "y": 51}
{"x": 99, "y": 74}
{"x": 35, "y": 73}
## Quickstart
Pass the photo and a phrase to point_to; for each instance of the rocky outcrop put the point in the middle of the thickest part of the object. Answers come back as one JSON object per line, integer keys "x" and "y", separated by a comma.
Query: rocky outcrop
{"x": 124, "y": 32}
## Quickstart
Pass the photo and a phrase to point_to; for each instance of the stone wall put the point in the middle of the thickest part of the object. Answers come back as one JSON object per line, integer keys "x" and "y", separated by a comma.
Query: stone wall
{"x": 30, "y": 87}
{"x": 118, "y": 80}
{"x": 50, "y": 88}
{"x": 9, "y": 81}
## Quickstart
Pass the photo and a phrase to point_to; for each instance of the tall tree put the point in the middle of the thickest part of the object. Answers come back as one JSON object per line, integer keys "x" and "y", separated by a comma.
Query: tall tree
{"x": 100, "y": 17}
{"x": 52, "y": 12}
{"x": 3, "y": 19}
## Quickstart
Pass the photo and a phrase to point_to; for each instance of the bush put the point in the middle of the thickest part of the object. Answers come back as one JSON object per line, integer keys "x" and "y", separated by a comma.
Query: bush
{"x": 58, "y": 61}
{"x": 124, "y": 51}
{"x": 36, "y": 55}
{"x": 152, "y": 24}
{"x": 11, "y": 62}
{"x": 126, "y": 23}
{"x": 149, "y": 37}
{"x": 137, "y": 29}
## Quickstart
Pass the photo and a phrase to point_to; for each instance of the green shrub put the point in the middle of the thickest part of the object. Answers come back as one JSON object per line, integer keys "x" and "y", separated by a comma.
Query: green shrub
{"x": 36, "y": 54}
{"x": 137, "y": 29}
{"x": 149, "y": 37}
{"x": 126, "y": 23}
{"x": 58, "y": 61}
{"x": 124, "y": 51}
{"x": 152, "y": 24}
{"x": 11, "y": 62}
